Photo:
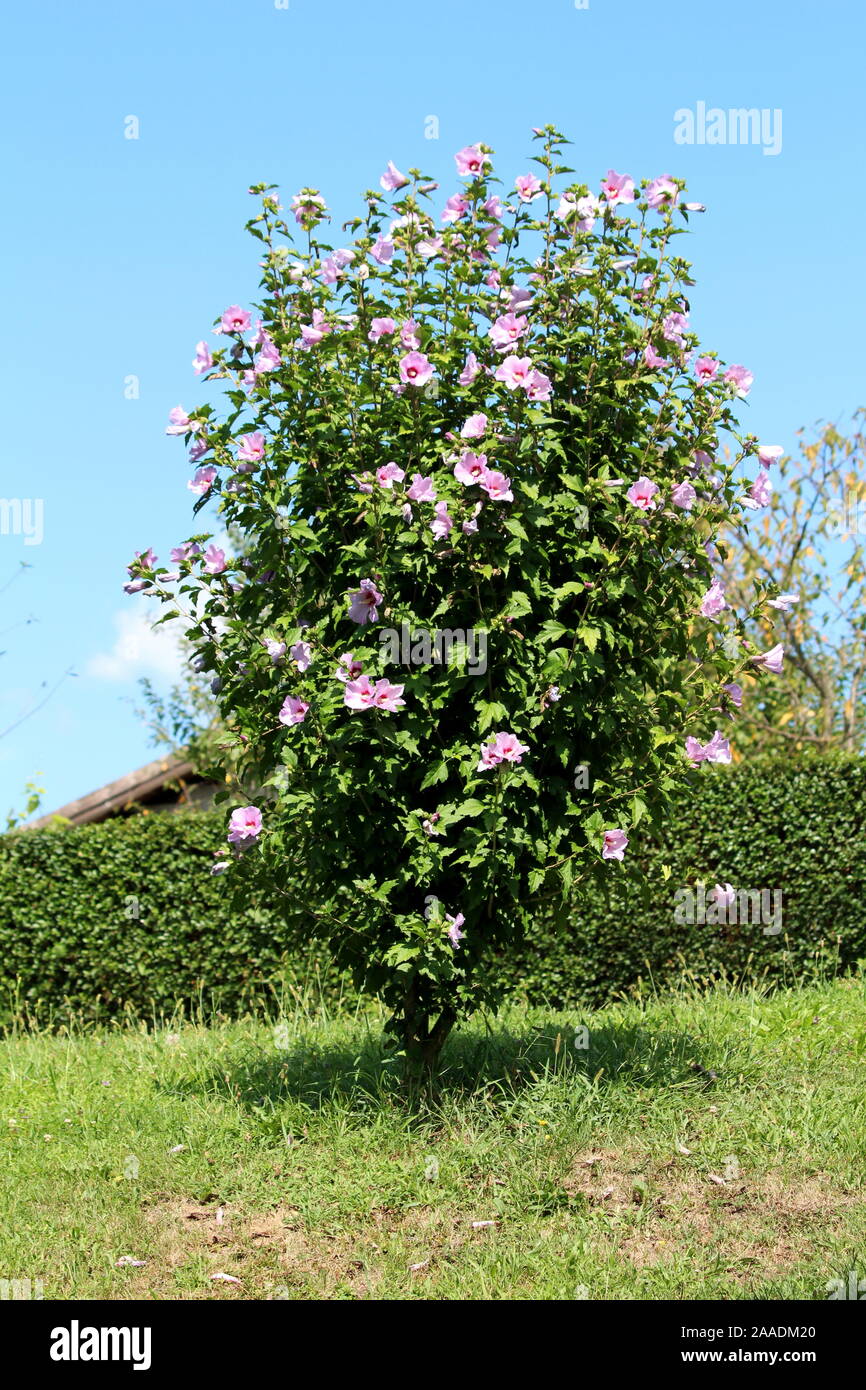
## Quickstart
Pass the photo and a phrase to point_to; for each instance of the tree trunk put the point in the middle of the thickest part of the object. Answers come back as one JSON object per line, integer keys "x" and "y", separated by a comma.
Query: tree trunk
{"x": 421, "y": 1042}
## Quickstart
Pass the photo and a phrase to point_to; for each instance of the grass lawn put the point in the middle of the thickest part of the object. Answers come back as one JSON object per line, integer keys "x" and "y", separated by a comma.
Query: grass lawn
{"x": 700, "y": 1146}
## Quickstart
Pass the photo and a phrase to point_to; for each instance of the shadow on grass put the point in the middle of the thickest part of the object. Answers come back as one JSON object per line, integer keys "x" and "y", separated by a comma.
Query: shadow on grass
{"x": 499, "y": 1062}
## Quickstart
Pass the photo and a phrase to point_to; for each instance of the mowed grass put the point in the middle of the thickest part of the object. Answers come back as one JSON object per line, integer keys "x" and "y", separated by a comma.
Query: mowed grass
{"x": 700, "y": 1147}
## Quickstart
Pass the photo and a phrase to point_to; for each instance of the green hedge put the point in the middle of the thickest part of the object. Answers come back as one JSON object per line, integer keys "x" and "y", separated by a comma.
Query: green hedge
{"x": 68, "y": 943}
{"x": 798, "y": 827}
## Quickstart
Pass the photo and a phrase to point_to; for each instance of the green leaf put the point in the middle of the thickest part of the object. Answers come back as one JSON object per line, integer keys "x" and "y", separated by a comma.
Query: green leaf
{"x": 517, "y": 605}
{"x": 516, "y": 529}
{"x": 437, "y": 773}
{"x": 471, "y": 808}
{"x": 551, "y": 630}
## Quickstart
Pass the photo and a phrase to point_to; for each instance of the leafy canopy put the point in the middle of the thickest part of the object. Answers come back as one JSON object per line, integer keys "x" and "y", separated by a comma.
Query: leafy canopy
{"x": 493, "y": 422}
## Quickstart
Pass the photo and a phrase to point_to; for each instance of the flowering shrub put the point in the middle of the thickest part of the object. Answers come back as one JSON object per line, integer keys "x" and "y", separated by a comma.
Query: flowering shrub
{"x": 492, "y": 421}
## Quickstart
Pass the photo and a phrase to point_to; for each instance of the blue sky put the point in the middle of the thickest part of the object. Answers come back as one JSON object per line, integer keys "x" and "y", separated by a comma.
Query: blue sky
{"x": 118, "y": 254}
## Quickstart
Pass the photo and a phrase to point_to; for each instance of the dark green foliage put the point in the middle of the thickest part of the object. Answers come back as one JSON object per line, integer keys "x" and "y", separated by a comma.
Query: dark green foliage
{"x": 67, "y": 937}
{"x": 797, "y": 827}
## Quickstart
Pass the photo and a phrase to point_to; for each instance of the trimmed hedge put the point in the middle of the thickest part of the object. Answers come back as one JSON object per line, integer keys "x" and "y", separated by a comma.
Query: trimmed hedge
{"x": 70, "y": 944}
{"x": 798, "y": 827}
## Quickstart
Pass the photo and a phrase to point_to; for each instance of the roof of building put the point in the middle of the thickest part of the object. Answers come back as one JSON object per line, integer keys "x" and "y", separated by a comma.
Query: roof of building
{"x": 134, "y": 789}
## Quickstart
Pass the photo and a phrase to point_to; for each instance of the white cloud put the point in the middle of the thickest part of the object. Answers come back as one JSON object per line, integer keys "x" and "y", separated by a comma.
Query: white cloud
{"x": 139, "y": 649}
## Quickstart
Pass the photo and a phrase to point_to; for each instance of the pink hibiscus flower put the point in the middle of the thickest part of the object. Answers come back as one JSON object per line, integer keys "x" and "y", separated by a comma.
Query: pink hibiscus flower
{"x": 713, "y": 600}
{"x": 388, "y": 475}
{"x": 302, "y": 654}
{"x": 363, "y": 605}
{"x": 245, "y": 825}
{"x": 415, "y": 369}
{"x": 684, "y": 496}
{"x": 514, "y": 372}
{"x": 474, "y": 427}
{"x": 379, "y": 328}
{"x": 497, "y": 486}
{"x": 392, "y": 179}
{"x": 443, "y": 523}
{"x": 470, "y": 161}
{"x": 528, "y": 187}
{"x": 507, "y": 330}
{"x": 251, "y": 447}
{"x": 179, "y": 421}
{"x": 504, "y": 747}
{"x": 771, "y": 660}
{"x": 661, "y": 192}
{"x": 615, "y": 842}
{"x": 421, "y": 489}
{"x": 235, "y": 320}
{"x": 203, "y": 360}
{"x": 468, "y": 374}
{"x": 293, "y": 711}
{"x": 455, "y": 935}
{"x": 705, "y": 369}
{"x": 642, "y": 494}
{"x": 740, "y": 378}
{"x": 617, "y": 188}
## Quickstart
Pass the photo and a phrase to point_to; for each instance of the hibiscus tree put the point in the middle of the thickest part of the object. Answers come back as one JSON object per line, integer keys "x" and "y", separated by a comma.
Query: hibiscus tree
{"x": 481, "y": 413}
